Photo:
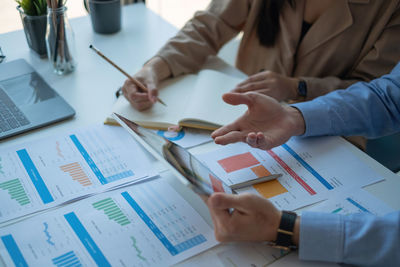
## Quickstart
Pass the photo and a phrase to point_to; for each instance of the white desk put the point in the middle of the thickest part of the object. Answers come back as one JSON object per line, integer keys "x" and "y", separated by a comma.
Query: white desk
{"x": 90, "y": 90}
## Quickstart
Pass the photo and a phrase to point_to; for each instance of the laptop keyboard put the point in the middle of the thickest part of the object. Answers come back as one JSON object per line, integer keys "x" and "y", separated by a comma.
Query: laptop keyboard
{"x": 11, "y": 117}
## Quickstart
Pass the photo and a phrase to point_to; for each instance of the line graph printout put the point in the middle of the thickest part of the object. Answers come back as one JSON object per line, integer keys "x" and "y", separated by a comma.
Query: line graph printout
{"x": 156, "y": 227}
{"x": 311, "y": 169}
{"x": 57, "y": 169}
{"x": 353, "y": 201}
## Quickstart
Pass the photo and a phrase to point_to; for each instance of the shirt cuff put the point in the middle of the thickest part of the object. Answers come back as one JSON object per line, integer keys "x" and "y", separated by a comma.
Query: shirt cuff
{"x": 321, "y": 237}
{"x": 316, "y": 118}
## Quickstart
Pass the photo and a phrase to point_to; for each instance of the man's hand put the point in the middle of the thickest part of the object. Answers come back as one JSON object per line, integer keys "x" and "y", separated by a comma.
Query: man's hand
{"x": 150, "y": 76}
{"x": 271, "y": 84}
{"x": 254, "y": 218}
{"x": 265, "y": 124}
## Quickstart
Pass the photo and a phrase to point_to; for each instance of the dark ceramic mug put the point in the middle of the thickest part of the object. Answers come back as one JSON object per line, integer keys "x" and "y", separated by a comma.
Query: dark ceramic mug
{"x": 105, "y": 15}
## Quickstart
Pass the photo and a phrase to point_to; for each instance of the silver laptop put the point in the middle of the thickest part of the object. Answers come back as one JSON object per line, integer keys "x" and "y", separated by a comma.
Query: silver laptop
{"x": 27, "y": 101}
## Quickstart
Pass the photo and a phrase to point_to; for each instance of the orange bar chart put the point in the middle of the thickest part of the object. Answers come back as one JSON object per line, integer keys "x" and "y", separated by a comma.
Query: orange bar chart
{"x": 238, "y": 162}
{"x": 77, "y": 174}
{"x": 270, "y": 188}
{"x": 260, "y": 171}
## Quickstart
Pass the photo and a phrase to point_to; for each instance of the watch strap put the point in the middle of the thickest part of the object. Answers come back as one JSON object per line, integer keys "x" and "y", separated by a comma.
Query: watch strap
{"x": 302, "y": 89}
{"x": 285, "y": 231}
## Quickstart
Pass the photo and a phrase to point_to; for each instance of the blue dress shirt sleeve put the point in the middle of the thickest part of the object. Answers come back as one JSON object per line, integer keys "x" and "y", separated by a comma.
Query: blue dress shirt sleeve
{"x": 367, "y": 109}
{"x": 358, "y": 239}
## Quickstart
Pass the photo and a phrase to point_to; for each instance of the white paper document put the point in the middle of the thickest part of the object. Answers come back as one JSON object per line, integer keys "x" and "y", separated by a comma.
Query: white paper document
{"x": 353, "y": 201}
{"x": 52, "y": 171}
{"x": 311, "y": 169}
{"x": 187, "y": 137}
{"x": 250, "y": 255}
{"x": 146, "y": 224}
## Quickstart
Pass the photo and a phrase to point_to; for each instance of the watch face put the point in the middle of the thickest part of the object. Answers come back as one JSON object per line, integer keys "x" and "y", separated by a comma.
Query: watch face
{"x": 302, "y": 89}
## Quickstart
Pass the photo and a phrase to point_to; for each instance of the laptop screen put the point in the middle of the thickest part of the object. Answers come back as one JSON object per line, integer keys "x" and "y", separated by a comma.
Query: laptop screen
{"x": 27, "y": 89}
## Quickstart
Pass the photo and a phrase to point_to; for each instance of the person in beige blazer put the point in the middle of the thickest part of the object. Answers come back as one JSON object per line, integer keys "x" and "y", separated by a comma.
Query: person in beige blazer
{"x": 347, "y": 41}
{"x": 318, "y": 46}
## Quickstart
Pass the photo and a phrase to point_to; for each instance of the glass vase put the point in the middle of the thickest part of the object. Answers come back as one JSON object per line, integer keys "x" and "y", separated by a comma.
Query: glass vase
{"x": 60, "y": 41}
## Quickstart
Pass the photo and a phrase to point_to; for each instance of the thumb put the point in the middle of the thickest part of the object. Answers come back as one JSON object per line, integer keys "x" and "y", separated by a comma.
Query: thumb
{"x": 222, "y": 201}
{"x": 153, "y": 92}
{"x": 238, "y": 99}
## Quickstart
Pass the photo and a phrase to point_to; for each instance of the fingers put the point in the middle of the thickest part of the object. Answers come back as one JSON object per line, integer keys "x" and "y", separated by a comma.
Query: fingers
{"x": 231, "y": 137}
{"x": 139, "y": 100}
{"x": 252, "y": 86}
{"x": 258, "y": 140}
{"x": 224, "y": 130}
{"x": 153, "y": 92}
{"x": 222, "y": 201}
{"x": 257, "y": 77}
{"x": 218, "y": 212}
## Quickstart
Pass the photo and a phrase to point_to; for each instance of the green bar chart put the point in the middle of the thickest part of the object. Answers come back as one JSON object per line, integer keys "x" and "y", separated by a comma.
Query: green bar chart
{"x": 16, "y": 191}
{"x": 112, "y": 211}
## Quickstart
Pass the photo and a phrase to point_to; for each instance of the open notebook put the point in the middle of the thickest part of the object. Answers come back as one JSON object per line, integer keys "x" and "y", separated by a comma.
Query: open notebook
{"x": 192, "y": 101}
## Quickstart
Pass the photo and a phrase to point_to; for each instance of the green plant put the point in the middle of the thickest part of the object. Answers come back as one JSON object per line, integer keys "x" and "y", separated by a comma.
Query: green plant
{"x": 33, "y": 7}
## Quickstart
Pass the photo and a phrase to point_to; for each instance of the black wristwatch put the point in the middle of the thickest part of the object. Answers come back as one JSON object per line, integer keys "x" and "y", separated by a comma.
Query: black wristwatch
{"x": 285, "y": 231}
{"x": 302, "y": 89}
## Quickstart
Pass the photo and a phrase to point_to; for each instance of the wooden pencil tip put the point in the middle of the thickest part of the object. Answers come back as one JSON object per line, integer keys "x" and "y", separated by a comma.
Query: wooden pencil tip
{"x": 161, "y": 102}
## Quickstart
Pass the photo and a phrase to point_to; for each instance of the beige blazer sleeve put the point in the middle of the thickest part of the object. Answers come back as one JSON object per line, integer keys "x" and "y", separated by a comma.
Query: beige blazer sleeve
{"x": 380, "y": 54}
{"x": 204, "y": 35}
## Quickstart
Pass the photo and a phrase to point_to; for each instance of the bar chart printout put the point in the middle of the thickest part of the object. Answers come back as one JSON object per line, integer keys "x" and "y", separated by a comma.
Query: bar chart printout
{"x": 16, "y": 191}
{"x": 309, "y": 169}
{"x": 147, "y": 224}
{"x": 353, "y": 201}
{"x": 67, "y": 259}
{"x": 246, "y": 166}
{"x": 77, "y": 173}
{"x": 51, "y": 171}
{"x": 112, "y": 211}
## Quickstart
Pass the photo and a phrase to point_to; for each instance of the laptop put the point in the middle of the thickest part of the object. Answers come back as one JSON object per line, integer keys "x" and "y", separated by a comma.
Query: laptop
{"x": 27, "y": 101}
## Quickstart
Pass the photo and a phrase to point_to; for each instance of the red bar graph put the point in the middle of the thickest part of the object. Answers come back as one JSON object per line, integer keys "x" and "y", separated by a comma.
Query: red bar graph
{"x": 238, "y": 162}
{"x": 291, "y": 172}
{"x": 216, "y": 184}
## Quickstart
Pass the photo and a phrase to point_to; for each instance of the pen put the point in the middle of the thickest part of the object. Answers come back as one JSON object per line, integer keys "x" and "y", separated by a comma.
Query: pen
{"x": 136, "y": 82}
{"x": 255, "y": 181}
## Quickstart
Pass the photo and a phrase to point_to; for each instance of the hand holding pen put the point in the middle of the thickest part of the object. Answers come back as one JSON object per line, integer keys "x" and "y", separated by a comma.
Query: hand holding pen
{"x": 130, "y": 79}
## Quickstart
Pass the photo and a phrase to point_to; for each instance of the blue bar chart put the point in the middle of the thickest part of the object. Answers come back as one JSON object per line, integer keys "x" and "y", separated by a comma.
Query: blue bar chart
{"x": 67, "y": 259}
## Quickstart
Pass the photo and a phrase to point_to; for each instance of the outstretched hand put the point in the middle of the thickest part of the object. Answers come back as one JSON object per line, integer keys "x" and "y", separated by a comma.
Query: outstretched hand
{"x": 264, "y": 125}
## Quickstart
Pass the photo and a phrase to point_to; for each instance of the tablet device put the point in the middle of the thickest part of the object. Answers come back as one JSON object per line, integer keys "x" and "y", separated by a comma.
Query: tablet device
{"x": 185, "y": 166}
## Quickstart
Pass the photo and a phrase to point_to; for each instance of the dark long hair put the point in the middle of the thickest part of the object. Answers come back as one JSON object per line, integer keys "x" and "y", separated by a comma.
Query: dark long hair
{"x": 268, "y": 20}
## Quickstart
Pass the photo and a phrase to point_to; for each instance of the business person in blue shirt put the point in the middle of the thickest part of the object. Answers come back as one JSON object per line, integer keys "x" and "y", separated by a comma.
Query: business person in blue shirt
{"x": 369, "y": 109}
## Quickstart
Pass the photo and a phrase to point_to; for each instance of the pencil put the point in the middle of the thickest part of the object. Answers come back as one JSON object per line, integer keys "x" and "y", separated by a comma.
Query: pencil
{"x": 255, "y": 181}
{"x": 136, "y": 82}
